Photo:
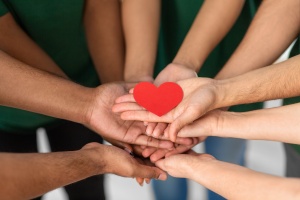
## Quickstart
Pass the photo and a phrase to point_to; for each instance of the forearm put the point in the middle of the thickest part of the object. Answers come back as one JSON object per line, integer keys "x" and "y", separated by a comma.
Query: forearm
{"x": 24, "y": 87}
{"x": 273, "y": 82}
{"x": 12, "y": 37}
{"x": 212, "y": 23}
{"x": 236, "y": 182}
{"x": 276, "y": 124}
{"x": 24, "y": 176}
{"x": 273, "y": 29}
{"x": 141, "y": 25}
{"x": 102, "y": 20}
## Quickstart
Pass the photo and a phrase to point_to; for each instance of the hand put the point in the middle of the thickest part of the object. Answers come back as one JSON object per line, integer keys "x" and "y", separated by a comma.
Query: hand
{"x": 102, "y": 120}
{"x": 155, "y": 154}
{"x": 182, "y": 165}
{"x": 119, "y": 162}
{"x": 200, "y": 96}
{"x": 207, "y": 125}
{"x": 173, "y": 73}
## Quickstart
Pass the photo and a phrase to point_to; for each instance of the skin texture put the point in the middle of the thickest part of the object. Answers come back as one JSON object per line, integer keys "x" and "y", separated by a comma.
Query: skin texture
{"x": 265, "y": 124}
{"x": 274, "y": 21}
{"x": 102, "y": 22}
{"x": 61, "y": 98}
{"x": 228, "y": 179}
{"x": 213, "y": 21}
{"x": 202, "y": 95}
{"x": 141, "y": 24}
{"x": 18, "y": 181}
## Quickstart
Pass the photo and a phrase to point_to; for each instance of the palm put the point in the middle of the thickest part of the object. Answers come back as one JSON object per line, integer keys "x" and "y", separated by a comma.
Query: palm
{"x": 110, "y": 125}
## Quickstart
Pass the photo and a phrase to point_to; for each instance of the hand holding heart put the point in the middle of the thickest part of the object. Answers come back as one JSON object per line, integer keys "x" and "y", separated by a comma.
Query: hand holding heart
{"x": 199, "y": 97}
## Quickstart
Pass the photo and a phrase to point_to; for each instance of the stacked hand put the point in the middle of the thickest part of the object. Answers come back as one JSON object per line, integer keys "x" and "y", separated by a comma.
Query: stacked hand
{"x": 173, "y": 72}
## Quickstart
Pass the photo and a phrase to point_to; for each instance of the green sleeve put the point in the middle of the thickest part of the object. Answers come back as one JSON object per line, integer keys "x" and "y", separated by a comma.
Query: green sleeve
{"x": 3, "y": 8}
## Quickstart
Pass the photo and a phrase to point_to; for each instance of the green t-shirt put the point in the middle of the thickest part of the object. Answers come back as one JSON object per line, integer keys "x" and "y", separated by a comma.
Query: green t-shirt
{"x": 177, "y": 18}
{"x": 295, "y": 51}
{"x": 56, "y": 26}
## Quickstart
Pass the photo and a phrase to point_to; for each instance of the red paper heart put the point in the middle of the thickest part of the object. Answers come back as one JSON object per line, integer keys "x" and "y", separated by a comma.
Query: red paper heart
{"x": 158, "y": 100}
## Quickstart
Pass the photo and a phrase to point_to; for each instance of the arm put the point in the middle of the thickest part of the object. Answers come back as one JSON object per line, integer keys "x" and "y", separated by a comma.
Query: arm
{"x": 58, "y": 97}
{"x": 53, "y": 170}
{"x": 12, "y": 37}
{"x": 265, "y": 124}
{"x": 273, "y": 82}
{"x": 274, "y": 27}
{"x": 102, "y": 21}
{"x": 210, "y": 26}
{"x": 202, "y": 95}
{"x": 212, "y": 23}
{"x": 229, "y": 180}
{"x": 141, "y": 25}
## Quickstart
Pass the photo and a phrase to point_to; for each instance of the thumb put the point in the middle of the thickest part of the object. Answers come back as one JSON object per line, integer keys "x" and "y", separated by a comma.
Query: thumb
{"x": 150, "y": 172}
{"x": 161, "y": 164}
{"x": 192, "y": 130}
{"x": 184, "y": 119}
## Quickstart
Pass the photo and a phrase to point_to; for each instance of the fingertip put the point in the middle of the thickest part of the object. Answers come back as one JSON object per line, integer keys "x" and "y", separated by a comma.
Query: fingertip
{"x": 162, "y": 177}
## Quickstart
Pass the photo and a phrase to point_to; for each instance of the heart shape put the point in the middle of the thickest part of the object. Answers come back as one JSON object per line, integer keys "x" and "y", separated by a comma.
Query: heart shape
{"x": 158, "y": 100}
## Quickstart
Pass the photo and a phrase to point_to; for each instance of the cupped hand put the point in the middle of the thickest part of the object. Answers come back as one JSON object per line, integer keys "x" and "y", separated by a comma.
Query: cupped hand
{"x": 200, "y": 95}
{"x": 119, "y": 162}
{"x": 102, "y": 120}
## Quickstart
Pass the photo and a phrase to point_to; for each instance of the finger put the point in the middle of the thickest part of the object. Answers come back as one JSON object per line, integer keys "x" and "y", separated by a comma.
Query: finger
{"x": 147, "y": 180}
{"x": 161, "y": 164}
{"x": 143, "y": 115}
{"x": 153, "y": 142}
{"x": 184, "y": 141}
{"x": 127, "y": 106}
{"x": 140, "y": 181}
{"x": 192, "y": 152}
{"x": 122, "y": 145}
{"x": 151, "y": 126}
{"x": 180, "y": 149}
{"x": 166, "y": 132}
{"x": 125, "y": 98}
{"x": 137, "y": 150}
{"x": 148, "y": 151}
{"x": 192, "y": 130}
{"x": 159, "y": 129}
{"x": 150, "y": 172}
{"x": 184, "y": 119}
{"x": 183, "y": 148}
{"x": 158, "y": 154}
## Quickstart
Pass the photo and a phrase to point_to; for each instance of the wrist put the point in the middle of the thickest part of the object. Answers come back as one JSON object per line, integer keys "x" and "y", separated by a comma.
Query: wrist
{"x": 194, "y": 64}
{"x": 89, "y": 105}
{"x": 138, "y": 78}
{"x": 221, "y": 93}
{"x": 95, "y": 154}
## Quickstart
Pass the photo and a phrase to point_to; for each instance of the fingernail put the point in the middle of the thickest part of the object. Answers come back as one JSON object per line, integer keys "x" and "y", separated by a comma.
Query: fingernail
{"x": 148, "y": 181}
